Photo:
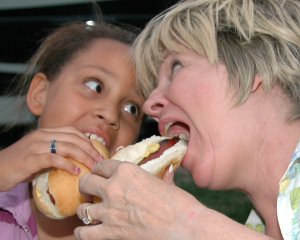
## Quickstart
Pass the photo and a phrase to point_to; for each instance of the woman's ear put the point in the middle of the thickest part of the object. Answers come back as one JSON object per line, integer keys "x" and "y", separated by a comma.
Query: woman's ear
{"x": 257, "y": 83}
{"x": 37, "y": 94}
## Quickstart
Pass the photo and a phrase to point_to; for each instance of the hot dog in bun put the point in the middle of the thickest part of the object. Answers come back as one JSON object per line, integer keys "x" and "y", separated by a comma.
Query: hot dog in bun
{"x": 56, "y": 192}
{"x": 154, "y": 154}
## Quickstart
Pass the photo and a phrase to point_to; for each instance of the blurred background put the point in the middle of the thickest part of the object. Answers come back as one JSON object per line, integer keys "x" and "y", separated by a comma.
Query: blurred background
{"x": 24, "y": 23}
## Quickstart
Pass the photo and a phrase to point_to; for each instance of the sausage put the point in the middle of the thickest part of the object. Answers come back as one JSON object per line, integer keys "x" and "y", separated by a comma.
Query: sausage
{"x": 163, "y": 146}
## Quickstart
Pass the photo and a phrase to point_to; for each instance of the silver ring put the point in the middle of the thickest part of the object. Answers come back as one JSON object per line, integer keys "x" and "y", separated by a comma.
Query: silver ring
{"x": 87, "y": 220}
{"x": 53, "y": 146}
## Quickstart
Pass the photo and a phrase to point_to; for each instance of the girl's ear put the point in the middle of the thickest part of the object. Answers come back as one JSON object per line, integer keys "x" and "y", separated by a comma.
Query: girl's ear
{"x": 37, "y": 94}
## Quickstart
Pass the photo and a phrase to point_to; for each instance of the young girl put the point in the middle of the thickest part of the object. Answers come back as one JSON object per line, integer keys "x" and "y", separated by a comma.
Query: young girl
{"x": 79, "y": 83}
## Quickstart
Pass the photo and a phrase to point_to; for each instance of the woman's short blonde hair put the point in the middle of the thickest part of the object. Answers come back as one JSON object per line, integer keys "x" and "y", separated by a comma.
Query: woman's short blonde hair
{"x": 251, "y": 37}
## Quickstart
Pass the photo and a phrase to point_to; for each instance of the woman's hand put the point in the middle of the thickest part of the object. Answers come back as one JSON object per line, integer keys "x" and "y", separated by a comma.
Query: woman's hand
{"x": 31, "y": 154}
{"x": 135, "y": 204}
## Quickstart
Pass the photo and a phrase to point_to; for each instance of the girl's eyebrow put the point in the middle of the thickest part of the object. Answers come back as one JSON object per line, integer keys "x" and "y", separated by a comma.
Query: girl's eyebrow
{"x": 100, "y": 68}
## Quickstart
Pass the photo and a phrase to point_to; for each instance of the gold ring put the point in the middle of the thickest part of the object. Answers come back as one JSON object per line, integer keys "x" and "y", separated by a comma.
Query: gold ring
{"x": 87, "y": 220}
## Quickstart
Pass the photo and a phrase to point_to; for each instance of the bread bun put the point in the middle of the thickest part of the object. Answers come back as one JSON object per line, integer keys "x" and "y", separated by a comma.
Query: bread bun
{"x": 56, "y": 192}
{"x": 170, "y": 155}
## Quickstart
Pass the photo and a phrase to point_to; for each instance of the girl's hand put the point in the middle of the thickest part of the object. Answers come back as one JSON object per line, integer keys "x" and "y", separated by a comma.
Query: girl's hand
{"x": 31, "y": 154}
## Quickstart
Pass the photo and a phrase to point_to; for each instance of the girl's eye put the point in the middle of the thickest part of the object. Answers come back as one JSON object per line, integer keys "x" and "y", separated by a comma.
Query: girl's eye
{"x": 94, "y": 85}
{"x": 132, "y": 109}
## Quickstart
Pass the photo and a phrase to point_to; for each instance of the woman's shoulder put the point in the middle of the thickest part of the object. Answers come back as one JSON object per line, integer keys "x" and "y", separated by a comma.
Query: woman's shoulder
{"x": 288, "y": 201}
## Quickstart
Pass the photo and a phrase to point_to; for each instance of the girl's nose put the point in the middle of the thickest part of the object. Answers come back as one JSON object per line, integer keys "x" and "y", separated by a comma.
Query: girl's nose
{"x": 110, "y": 115}
{"x": 113, "y": 123}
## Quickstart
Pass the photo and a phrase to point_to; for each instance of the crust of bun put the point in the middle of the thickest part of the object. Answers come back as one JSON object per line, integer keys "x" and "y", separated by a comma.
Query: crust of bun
{"x": 100, "y": 148}
{"x": 64, "y": 187}
{"x": 135, "y": 153}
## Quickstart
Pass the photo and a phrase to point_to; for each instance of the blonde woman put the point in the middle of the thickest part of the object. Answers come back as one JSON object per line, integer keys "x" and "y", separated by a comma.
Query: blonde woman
{"x": 226, "y": 74}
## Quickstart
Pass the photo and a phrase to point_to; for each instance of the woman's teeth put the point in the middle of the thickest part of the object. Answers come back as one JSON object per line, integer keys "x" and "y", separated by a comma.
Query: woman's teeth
{"x": 169, "y": 133}
{"x": 167, "y": 128}
{"x": 96, "y": 137}
{"x": 183, "y": 136}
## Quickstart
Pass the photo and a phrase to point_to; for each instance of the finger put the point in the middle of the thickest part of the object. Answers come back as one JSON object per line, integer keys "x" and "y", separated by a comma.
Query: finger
{"x": 75, "y": 142}
{"x": 108, "y": 167}
{"x": 48, "y": 160}
{"x": 65, "y": 129}
{"x": 91, "y": 184}
{"x": 91, "y": 211}
{"x": 92, "y": 232}
{"x": 72, "y": 150}
{"x": 72, "y": 136}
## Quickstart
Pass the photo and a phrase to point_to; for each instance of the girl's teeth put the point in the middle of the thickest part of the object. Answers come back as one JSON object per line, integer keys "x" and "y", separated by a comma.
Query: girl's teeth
{"x": 96, "y": 137}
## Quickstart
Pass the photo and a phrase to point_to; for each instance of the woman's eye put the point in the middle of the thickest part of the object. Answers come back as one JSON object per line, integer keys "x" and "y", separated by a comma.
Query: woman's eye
{"x": 133, "y": 109}
{"x": 175, "y": 66}
{"x": 94, "y": 85}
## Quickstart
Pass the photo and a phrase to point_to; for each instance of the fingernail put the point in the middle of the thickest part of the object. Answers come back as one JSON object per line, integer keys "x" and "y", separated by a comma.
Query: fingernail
{"x": 77, "y": 170}
{"x": 100, "y": 158}
{"x": 171, "y": 168}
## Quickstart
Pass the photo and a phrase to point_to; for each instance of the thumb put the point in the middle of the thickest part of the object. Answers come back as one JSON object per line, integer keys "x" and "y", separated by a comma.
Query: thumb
{"x": 168, "y": 175}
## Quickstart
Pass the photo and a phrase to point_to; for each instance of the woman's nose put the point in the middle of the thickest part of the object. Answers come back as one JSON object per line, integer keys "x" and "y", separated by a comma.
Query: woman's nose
{"x": 155, "y": 103}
